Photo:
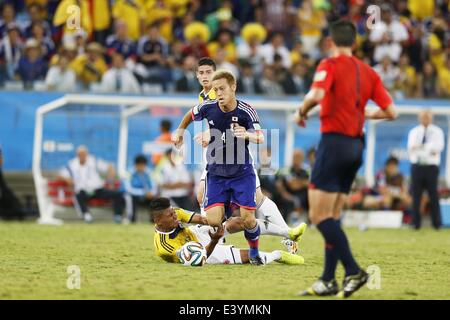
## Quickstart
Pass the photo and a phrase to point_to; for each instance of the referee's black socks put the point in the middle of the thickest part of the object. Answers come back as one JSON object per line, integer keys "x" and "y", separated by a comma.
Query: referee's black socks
{"x": 336, "y": 248}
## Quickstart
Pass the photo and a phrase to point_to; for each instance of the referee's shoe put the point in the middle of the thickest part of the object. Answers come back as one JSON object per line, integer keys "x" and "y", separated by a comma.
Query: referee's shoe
{"x": 321, "y": 288}
{"x": 352, "y": 284}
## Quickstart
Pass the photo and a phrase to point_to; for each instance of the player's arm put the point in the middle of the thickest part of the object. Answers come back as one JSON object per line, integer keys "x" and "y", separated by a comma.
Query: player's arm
{"x": 382, "y": 98}
{"x": 323, "y": 79}
{"x": 203, "y": 138}
{"x": 215, "y": 236}
{"x": 195, "y": 114}
{"x": 382, "y": 114}
{"x": 312, "y": 99}
{"x": 251, "y": 130}
{"x": 255, "y": 136}
{"x": 199, "y": 219}
{"x": 177, "y": 136}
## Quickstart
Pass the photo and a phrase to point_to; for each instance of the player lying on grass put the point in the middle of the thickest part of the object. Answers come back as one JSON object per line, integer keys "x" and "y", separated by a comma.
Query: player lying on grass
{"x": 171, "y": 234}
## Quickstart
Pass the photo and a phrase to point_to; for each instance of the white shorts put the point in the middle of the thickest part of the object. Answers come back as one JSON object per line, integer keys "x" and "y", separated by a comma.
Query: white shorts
{"x": 222, "y": 254}
{"x": 258, "y": 183}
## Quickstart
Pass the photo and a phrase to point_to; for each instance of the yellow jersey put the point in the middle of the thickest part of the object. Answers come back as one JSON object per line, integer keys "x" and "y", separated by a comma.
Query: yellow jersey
{"x": 132, "y": 13}
{"x": 211, "y": 95}
{"x": 167, "y": 243}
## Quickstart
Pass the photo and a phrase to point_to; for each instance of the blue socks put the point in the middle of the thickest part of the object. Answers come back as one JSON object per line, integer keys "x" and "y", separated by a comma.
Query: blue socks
{"x": 252, "y": 236}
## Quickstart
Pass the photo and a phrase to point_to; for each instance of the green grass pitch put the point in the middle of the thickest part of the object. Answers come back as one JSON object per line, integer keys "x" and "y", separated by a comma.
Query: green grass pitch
{"x": 118, "y": 262}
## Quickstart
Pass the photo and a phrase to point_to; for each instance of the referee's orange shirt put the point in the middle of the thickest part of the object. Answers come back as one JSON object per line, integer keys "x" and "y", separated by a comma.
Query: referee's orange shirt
{"x": 349, "y": 83}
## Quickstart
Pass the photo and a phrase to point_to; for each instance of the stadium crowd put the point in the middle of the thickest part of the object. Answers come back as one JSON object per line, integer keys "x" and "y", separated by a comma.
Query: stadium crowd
{"x": 272, "y": 46}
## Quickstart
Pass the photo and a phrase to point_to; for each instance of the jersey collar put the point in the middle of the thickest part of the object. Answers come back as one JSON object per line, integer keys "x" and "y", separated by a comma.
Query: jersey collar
{"x": 174, "y": 232}
{"x": 205, "y": 95}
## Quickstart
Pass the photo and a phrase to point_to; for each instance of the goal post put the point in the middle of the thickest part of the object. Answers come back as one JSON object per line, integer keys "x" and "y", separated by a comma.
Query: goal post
{"x": 119, "y": 110}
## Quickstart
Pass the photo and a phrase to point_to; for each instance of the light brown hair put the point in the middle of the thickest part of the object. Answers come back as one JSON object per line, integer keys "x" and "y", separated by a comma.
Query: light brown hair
{"x": 224, "y": 74}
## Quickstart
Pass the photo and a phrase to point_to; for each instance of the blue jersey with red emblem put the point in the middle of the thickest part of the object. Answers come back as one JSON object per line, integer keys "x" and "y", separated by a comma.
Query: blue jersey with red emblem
{"x": 227, "y": 156}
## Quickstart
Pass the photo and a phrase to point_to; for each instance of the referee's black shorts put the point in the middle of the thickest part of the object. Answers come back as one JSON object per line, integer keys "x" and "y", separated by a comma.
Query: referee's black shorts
{"x": 338, "y": 159}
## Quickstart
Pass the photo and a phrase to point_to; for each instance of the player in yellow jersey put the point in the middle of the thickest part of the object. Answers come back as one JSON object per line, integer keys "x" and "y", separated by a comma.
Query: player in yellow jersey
{"x": 171, "y": 233}
{"x": 266, "y": 208}
{"x": 205, "y": 69}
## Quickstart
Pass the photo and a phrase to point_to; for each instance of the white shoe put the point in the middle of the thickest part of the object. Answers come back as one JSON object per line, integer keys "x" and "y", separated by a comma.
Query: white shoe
{"x": 88, "y": 217}
{"x": 125, "y": 221}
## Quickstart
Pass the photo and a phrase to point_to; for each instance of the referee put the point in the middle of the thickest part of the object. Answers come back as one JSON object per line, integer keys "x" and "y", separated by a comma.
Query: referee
{"x": 425, "y": 144}
{"x": 342, "y": 86}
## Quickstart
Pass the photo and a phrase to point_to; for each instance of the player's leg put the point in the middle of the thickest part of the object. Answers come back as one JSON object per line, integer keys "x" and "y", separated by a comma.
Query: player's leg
{"x": 331, "y": 254}
{"x": 243, "y": 194}
{"x": 215, "y": 215}
{"x": 355, "y": 277}
{"x": 266, "y": 208}
{"x": 321, "y": 205}
{"x": 201, "y": 192}
{"x": 226, "y": 254}
{"x": 322, "y": 197}
{"x": 252, "y": 232}
{"x": 235, "y": 224}
{"x": 216, "y": 197}
{"x": 275, "y": 256}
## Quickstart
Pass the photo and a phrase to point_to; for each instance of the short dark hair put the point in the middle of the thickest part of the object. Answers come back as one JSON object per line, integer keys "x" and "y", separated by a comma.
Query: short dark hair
{"x": 343, "y": 33}
{"x": 166, "y": 124}
{"x": 158, "y": 205}
{"x": 391, "y": 160}
{"x": 140, "y": 159}
{"x": 277, "y": 57}
{"x": 205, "y": 61}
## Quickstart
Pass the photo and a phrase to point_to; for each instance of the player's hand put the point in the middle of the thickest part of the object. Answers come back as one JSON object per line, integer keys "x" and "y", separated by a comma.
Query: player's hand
{"x": 240, "y": 132}
{"x": 203, "y": 138}
{"x": 301, "y": 118}
{"x": 177, "y": 137}
{"x": 148, "y": 195}
{"x": 218, "y": 234}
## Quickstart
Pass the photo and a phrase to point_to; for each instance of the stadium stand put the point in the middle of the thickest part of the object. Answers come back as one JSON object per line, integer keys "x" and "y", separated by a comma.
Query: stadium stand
{"x": 409, "y": 47}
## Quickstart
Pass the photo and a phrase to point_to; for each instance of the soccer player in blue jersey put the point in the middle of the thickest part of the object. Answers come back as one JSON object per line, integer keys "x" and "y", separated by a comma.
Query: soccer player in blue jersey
{"x": 231, "y": 177}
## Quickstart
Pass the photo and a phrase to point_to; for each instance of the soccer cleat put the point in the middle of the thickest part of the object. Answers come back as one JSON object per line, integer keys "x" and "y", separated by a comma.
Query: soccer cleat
{"x": 257, "y": 261}
{"x": 295, "y": 234}
{"x": 352, "y": 284}
{"x": 321, "y": 288}
{"x": 289, "y": 258}
{"x": 88, "y": 217}
{"x": 291, "y": 246}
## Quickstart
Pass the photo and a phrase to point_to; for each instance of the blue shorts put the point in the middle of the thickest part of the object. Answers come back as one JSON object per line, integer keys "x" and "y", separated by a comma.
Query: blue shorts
{"x": 240, "y": 190}
{"x": 338, "y": 160}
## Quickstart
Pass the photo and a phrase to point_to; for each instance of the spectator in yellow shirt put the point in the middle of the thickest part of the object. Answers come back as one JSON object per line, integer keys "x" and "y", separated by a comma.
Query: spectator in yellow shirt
{"x": 91, "y": 66}
{"x": 436, "y": 46}
{"x": 421, "y": 9}
{"x": 68, "y": 19}
{"x": 101, "y": 19}
{"x": 444, "y": 80}
{"x": 311, "y": 22}
{"x": 406, "y": 83}
{"x": 225, "y": 41}
{"x": 159, "y": 11}
{"x": 133, "y": 13}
